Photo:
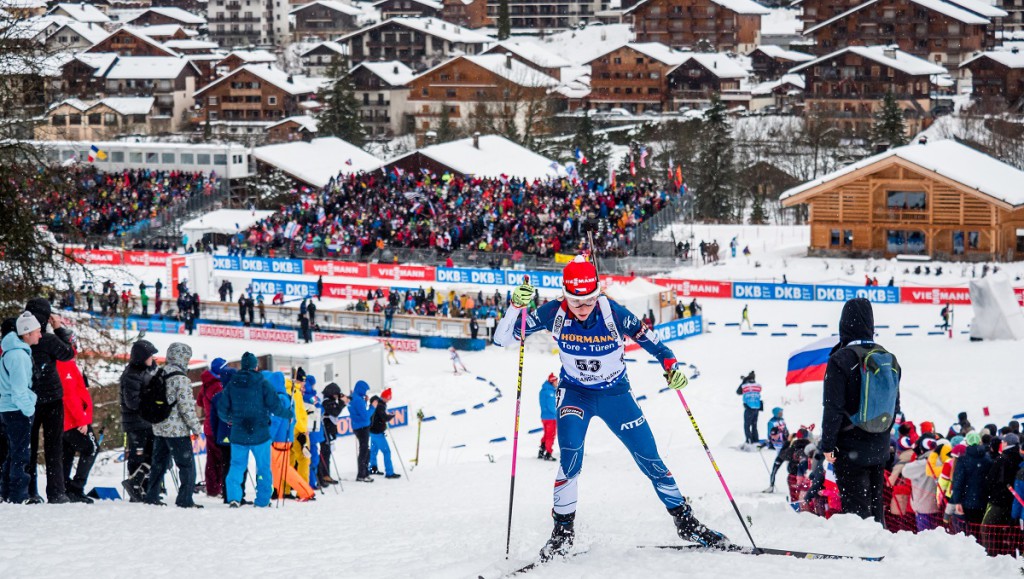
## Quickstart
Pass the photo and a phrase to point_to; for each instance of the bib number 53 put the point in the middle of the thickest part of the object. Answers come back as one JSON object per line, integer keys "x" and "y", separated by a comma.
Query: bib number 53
{"x": 588, "y": 365}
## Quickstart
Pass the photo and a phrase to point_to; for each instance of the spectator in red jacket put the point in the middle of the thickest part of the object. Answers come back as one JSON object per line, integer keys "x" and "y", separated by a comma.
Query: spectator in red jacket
{"x": 215, "y": 465}
{"x": 78, "y": 436}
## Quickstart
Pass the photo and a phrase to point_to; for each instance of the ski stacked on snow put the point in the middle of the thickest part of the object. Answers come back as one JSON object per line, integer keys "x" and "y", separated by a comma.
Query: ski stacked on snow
{"x": 730, "y": 548}
{"x": 495, "y": 573}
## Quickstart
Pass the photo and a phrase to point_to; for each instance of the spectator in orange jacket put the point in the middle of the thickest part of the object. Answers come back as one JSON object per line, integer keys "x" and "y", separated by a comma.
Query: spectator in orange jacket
{"x": 78, "y": 436}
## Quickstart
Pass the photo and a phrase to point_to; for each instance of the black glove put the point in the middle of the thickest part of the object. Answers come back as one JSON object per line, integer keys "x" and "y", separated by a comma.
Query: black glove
{"x": 301, "y": 438}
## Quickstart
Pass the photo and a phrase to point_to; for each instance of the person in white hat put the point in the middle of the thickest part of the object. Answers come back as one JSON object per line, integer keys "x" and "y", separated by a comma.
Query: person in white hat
{"x": 17, "y": 406}
{"x": 589, "y": 329}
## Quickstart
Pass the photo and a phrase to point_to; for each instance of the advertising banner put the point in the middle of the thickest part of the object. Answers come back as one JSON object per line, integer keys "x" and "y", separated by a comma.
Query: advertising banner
{"x": 772, "y": 291}
{"x": 334, "y": 268}
{"x": 696, "y": 288}
{"x": 401, "y": 419}
{"x": 843, "y": 293}
{"x": 935, "y": 295}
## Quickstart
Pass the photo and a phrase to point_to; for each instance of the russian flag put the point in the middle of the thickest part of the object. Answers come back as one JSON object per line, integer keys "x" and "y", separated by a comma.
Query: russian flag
{"x": 808, "y": 363}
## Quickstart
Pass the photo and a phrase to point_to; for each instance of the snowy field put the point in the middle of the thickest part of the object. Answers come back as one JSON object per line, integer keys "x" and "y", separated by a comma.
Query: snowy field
{"x": 448, "y": 518}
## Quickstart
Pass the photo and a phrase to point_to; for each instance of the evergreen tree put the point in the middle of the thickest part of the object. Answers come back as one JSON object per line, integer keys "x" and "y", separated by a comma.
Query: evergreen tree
{"x": 757, "y": 214}
{"x": 504, "y": 20}
{"x": 340, "y": 114}
{"x": 446, "y": 129}
{"x": 593, "y": 145}
{"x": 889, "y": 129}
{"x": 714, "y": 177}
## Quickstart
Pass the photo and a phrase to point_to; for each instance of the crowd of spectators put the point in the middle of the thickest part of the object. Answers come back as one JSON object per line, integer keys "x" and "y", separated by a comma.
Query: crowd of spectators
{"x": 96, "y": 204}
{"x": 359, "y": 213}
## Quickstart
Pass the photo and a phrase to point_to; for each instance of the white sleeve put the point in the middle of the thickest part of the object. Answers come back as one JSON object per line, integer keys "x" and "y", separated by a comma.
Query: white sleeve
{"x": 504, "y": 333}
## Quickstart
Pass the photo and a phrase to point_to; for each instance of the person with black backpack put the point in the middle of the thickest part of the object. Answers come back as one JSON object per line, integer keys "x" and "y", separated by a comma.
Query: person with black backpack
{"x": 861, "y": 398}
{"x": 167, "y": 402}
{"x": 138, "y": 433}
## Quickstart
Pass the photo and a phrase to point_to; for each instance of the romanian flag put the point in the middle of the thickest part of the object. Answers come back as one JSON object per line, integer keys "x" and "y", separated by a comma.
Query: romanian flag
{"x": 808, "y": 363}
{"x": 96, "y": 153}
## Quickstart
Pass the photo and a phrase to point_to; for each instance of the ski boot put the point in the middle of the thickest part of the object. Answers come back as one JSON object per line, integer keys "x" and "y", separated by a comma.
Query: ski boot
{"x": 561, "y": 537}
{"x": 690, "y": 529}
{"x": 540, "y": 452}
{"x": 547, "y": 456}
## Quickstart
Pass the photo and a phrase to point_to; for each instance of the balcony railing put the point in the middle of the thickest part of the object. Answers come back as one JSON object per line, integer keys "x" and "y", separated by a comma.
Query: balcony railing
{"x": 889, "y": 214}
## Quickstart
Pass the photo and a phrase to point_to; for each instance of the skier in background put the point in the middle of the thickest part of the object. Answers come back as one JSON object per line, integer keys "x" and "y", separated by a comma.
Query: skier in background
{"x": 456, "y": 361}
{"x": 752, "y": 406}
{"x": 746, "y": 317}
{"x": 778, "y": 434}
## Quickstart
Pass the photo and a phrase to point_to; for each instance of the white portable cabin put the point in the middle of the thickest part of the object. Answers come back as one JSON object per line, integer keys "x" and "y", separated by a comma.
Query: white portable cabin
{"x": 640, "y": 295}
{"x": 229, "y": 160}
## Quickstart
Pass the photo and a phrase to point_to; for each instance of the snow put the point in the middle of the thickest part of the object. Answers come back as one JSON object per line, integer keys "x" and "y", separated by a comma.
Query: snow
{"x": 510, "y": 69}
{"x": 902, "y": 61}
{"x": 393, "y": 72}
{"x": 781, "y": 53}
{"x": 428, "y": 3}
{"x": 795, "y": 80}
{"x": 534, "y": 53}
{"x": 147, "y": 67}
{"x": 720, "y": 65}
{"x": 100, "y": 61}
{"x": 305, "y": 121}
{"x": 1006, "y": 58}
{"x": 130, "y": 105}
{"x": 953, "y": 11}
{"x": 192, "y": 45}
{"x": 183, "y": 16}
{"x": 82, "y": 12}
{"x": 291, "y": 84}
{"x": 980, "y": 7}
{"x": 341, "y": 7}
{"x": 92, "y": 34}
{"x": 329, "y": 44}
{"x": 781, "y": 22}
{"x": 743, "y": 6}
{"x": 318, "y": 161}
{"x": 583, "y": 46}
{"x": 253, "y": 56}
{"x": 432, "y": 26}
{"x": 160, "y": 31}
{"x": 950, "y": 159}
{"x": 225, "y": 221}
{"x": 495, "y": 156}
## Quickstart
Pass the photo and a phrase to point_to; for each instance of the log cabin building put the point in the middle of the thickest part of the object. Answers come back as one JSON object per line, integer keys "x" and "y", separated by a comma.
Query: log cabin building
{"x": 941, "y": 199}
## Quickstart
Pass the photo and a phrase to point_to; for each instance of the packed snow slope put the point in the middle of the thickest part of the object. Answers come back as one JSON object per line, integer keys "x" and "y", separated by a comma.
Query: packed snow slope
{"x": 448, "y": 518}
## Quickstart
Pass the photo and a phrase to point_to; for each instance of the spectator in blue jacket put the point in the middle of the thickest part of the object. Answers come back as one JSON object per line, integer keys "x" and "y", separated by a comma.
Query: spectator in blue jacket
{"x": 315, "y": 411}
{"x": 969, "y": 495}
{"x": 548, "y": 417}
{"x": 17, "y": 406}
{"x": 282, "y": 433}
{"x": 247, "y": 403}
{"x": 359, "y": 412}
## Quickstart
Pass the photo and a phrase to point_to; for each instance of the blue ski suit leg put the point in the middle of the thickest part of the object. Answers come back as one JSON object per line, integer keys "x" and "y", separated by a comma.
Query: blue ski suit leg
{"x": 619, "y": 410}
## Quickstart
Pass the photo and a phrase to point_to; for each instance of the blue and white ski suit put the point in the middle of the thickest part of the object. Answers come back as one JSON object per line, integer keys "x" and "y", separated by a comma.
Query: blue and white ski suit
{"x": 593, "y": 382}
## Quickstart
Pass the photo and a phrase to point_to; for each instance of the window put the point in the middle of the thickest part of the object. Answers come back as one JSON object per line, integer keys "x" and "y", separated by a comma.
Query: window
{"x": 151, "y": 158}
{"x": 236, "y": 159}
{"x": 639, "y": 60}
{"x": 109, "y": 119}
{"x": 906, "y": 200}
{"x": 187, "y": 158}
{"x": 167, "y": 158}
{"x": 203, "y": 158}
{"x": 59, "y": 120}
{"x": 449, "y": 93}
{"x": 134, "y": 157}
{"x": 834, "y": 237}
{"x": 213, "y": 115}
{"x": 213, "y": 101}
{"x": 905, "y": 242}
{"x": 117, "y": 156}
{"x": 425, "y": 91}
{"x": 94, "y": 119}
{"x": 958, "y": 243}
{"x": 75, "y": 119}
{"x": 848, "y": 237}
{"x": 220, "y": 159}
{"x": 617, "y": 60}
{"x": 973, "y": 239}
{"x": 271, "y": 100}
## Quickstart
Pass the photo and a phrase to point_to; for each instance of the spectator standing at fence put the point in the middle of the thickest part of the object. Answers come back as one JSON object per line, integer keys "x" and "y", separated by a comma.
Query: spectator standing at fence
{"x": 250, "y": 309}
{"x": 320, "y": 288}
{"x": 311, "y": 311}
{"x": 211, "y": 386}
{"x": 360, "y": 422}
{"x": 304, "y": 333}
{"x": 923, "y": 477}
{"x": 223, "y": 291}
{"x": 241, "y": 309}
{"x": 1001, "y": 476}
{"x": 262, "y": 308}
{"x": 78, "y": 436}
{"x": 859, "y": 450}
{"x": 144, "y": 300}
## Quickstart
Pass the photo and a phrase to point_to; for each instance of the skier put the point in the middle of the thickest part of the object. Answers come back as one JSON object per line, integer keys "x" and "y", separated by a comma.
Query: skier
{"x": 746, "y": 317}
{"x": 778, "y": 434}
{"x": 456, "y": 361}
{"x": 589, "y": 329}
{"x": 752, "y": 406}
{"x": 548, "y": 416}
{"x": 391, "y": 352}
{"x": 944, "y": 313}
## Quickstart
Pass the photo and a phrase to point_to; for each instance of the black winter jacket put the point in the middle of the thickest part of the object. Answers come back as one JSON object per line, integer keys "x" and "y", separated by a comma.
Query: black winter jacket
{"x": 842, "y": 392}
{"x": 969, "y": 488}
{"x": 135, "y": 374}
{"x": 379, "y": 420}
{"x": 52, "y": 348}
{"x": 1002, "y": 475}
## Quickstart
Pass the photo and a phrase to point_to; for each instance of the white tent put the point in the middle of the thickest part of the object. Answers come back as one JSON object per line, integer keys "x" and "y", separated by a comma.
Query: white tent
{"x": 316, "y": 162}
{"x": 997, "y": 316}
{"x": 224, "y": 221}
{"x": 640, "y": 295}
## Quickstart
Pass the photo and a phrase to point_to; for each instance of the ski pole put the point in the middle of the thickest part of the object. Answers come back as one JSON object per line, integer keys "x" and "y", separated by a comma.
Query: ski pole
{"x": 714, "y": 464}
{"x": 334, "y": 461}
{"x": 391, "y": 439}
{"x": 419, "y": 429}
{"x": 515, "y": 435}
{"x": 763, "y": 461}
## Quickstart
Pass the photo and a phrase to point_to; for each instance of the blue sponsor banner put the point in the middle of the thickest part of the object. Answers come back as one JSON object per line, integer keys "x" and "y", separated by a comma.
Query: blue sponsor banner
{"x": 467, "y": 275}
{"x": 842, "y": 293}
{"x": 538, "y": 279}
{"x": 258, "y": 264}
{"x": 401, "y": 419}
{"x": 269, "y": 287}
{"x": 772, "y": 291}
{"x": 680, "y": 329}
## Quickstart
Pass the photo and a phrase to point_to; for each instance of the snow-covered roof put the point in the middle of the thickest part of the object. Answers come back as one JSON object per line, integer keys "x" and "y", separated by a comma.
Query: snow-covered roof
{"x": 160, "y": 30}
{"x": 1006, "y": 58}
{"x": 178, "y": 14}
{"x": 655, "y": 50}
{"x": 782, "y": 54}
{"x": 253, "y": 56}
{"x": 82, "y": 12}
{"x": 318, "y": 161}
{"x": 330, "y": 45}
{"x": 140, "y": 33}
{"x": 535, "y": 53}
{"x": 902, "y": 61}
{"x": 305, "y": 121}
{"x": 428, "y": 3}
{"x": 392, "y": 72}
{"x": 770, "y": 86}
{"x": 36, "y": 26}
{"x": 432, "y": 26}
{"x": 22, "y": 4}
{"x": 576, "y": 88}
{"x": 510, "y": 69}
{"x": 100, "y": 61}
{"x": 71, "y": 102}
{"x": 737, "y": 6}
{"x": 332, "y": 5}
{"x": 129, "y": 105}
{"x": 583, "y": 46}
{"x": 718, "y": 64}
{"x": 148, "y": 67}
{"x": 496, "y": 156}
{"x": 969, "y": 167}
{"x": 91, "y": 34}
{"x": 191, "y": 44}
{"x": 950, "y": 8}
{"x": 781, "y": 22}
{"x": 275, "y": 76}
{"x": 981, "y": 8}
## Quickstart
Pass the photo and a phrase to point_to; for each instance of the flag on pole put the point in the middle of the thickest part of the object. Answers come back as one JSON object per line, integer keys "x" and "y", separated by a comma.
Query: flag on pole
{"x": 679, "y": 176}
{"x": 643, "y": 156}
{"x": 808, "y": 363}
{"x": 96, "y": 153}
{"x": 611, "y": 177}
{"x": 632, "y": 166}
{"x": 580, "y": 157}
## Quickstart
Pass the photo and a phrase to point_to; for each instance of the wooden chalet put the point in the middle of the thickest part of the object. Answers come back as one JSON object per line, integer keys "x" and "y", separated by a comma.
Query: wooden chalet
{"x": 941, "y": 199}
{"x": 722, "y": 25}
{"x": 997, "y": 79}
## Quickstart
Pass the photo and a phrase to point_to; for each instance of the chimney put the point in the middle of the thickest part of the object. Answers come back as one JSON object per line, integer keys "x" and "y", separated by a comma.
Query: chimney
{"x": 890, "y": 51}
{"x": 508, "y": 60}
{"x": 476, "y": 140}
{"x": 394, "y": 70}
{"x": 290, "y": 79}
